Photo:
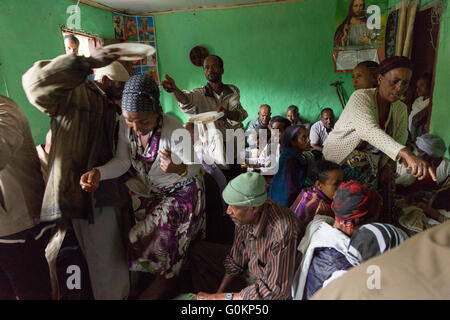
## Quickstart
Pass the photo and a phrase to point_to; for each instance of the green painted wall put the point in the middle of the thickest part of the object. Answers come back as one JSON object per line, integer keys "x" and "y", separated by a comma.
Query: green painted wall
{"x": 276, "y": 54}
{"x": 440, "y": 114}
{"x": 30, "y": 31}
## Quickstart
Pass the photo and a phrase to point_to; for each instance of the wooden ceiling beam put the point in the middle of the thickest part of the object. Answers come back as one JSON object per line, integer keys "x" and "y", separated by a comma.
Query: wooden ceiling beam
{"x": 220, "y": 7}
{"x": 101, "y": 6}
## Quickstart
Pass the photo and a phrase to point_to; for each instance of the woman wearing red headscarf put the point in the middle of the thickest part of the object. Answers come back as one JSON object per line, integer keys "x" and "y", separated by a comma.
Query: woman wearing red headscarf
{"x": 378, "y": 117}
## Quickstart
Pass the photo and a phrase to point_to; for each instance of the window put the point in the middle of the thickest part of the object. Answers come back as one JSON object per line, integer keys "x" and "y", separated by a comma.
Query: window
{"x": 86, "y": 42}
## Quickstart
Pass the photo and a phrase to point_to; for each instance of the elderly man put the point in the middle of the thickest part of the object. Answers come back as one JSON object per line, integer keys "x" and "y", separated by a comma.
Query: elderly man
{"x": 214, "y": 96}
{"x": 83, "y": 123}
{"x": 71, "y": 44}
{"x": 264, "y": 249}
{"x": 320, "y": 130}
{"x": 24, "y": 272}
{"x": 293, "y": 115}
{"x": 262, "y": 122}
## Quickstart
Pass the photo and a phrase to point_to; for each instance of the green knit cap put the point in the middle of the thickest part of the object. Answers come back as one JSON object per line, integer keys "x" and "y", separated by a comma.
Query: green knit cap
{"x": 247, "y": 189}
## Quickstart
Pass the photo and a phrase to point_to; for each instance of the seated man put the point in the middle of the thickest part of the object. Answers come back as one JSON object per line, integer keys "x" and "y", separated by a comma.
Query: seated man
{"x": 431, "y": 148}
{"x": 293, "y": 116}
{"x": 267, "y": 161}
{"x": 259, "y": 123}
{"x": 325, "y": 244}
{"x": 320, "y": 130}
{"x": 264, "y": 247}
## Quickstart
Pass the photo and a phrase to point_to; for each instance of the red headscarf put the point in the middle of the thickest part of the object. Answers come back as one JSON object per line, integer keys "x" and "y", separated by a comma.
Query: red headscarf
{"x": 354, "y": 200}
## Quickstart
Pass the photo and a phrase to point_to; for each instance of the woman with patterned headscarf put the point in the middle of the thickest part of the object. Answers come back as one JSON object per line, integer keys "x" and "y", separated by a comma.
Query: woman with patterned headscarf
{"x": 378, "y": 117}
{"x": 168, "y": 193}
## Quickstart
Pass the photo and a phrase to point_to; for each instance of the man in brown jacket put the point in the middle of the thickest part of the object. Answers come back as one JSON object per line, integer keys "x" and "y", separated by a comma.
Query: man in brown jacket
{"x": 83, "y": 123}
{"x": 24, "y": 271}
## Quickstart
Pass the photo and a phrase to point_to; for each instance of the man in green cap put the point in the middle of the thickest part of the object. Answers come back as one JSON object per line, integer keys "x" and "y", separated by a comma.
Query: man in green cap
{"x": 265, "y": 244}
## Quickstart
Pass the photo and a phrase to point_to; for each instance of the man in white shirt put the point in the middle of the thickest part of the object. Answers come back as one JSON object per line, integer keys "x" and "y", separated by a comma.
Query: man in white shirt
{"x": 214, "y": 96}
{"x": 320, "y": 130}
{"x": 293, "y": 115}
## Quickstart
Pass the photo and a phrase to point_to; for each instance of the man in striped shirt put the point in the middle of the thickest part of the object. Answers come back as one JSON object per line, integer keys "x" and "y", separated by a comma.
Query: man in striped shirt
{"x": 264, "y": 249}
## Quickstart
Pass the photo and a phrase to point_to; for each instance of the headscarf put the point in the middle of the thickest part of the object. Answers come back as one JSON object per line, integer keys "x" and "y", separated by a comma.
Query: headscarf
{"x": 373, "y": 239}
{"x": 289, "y": 134}
{"x": 115, "y": 71}
{"x": 432, "y": 145}
{"x": 354, "y": 200}
{"x": 393, "y": 63}
{"x": 141, "y": 94}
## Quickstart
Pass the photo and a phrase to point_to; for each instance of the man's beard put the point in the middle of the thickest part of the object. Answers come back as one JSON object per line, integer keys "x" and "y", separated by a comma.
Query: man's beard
{"x": 361, "y": 15}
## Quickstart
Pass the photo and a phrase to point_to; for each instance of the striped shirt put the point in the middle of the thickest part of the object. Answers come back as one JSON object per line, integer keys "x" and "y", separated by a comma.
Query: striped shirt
{"x": 373, "y": 239}
{"x": 268, "y": 252}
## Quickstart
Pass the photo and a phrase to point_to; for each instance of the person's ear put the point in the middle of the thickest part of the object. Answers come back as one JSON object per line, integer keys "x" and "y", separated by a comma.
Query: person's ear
{"x": 317, "y": 184}
{"x": 255, "y": 210}
{"x": 104, "y": 80}
{"x": 379, "y": 79}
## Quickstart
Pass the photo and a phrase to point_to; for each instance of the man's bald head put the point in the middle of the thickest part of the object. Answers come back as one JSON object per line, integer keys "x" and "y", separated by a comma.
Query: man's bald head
{"x": 264, "y": 114}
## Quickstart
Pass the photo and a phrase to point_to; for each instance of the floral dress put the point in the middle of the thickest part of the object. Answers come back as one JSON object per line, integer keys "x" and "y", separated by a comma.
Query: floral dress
{"x": 168, "y": 218}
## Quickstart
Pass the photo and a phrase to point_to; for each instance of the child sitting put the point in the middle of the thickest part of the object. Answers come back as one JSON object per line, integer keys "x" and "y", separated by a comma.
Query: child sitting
{"x": 291, "y": 175}
{"x": 316, "y": 200}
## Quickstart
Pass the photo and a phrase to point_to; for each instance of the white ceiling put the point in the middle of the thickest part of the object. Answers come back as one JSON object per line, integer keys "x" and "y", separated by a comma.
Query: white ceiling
{"x": 140, "y": 6}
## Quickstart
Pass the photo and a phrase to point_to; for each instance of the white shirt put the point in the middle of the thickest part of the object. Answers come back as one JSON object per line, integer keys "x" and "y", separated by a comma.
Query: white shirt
{"x": 418, "y": 105}
{"x": 268, "y": 160}
{"x": 406, "y": 179}
{"x": 318, "y": 134}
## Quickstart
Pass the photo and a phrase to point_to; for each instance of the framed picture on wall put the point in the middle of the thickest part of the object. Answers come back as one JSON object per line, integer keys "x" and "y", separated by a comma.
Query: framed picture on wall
{"x": 138, "y": 29}
{"x": 359, "y": 33}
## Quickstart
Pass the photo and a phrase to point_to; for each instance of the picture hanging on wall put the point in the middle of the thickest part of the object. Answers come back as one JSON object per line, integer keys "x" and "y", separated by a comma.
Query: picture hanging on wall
{"x": 139, "y": 29}
{"x": 359, "y": 33}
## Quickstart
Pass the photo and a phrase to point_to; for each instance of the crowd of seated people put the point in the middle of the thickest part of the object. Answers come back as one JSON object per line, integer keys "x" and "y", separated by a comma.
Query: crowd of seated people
{"x": 307, "y": 206}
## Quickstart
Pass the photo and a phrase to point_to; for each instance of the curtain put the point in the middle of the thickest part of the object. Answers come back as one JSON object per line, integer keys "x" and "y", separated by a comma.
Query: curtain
{"x": 400, "y": 28}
